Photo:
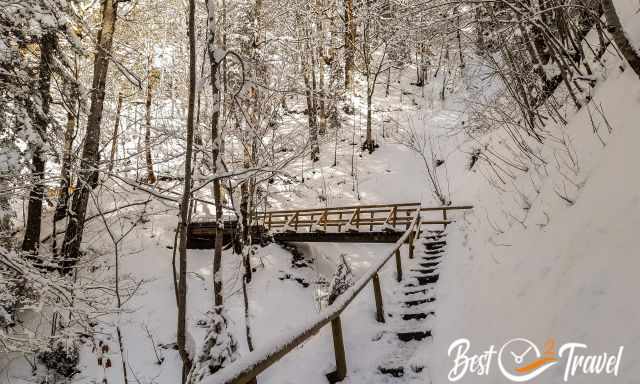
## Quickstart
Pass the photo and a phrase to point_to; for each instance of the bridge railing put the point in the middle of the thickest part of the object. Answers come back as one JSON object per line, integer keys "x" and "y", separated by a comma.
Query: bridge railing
{"x": 350, "y": 218}
{"x": 250, "y": 366}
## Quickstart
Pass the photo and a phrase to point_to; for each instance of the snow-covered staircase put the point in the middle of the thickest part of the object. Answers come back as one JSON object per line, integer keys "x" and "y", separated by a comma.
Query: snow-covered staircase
{"x": 410, "y": 316}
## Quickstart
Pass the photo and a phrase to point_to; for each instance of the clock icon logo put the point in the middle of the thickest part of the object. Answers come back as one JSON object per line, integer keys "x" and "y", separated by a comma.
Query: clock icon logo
{"x": 520, "y": 359}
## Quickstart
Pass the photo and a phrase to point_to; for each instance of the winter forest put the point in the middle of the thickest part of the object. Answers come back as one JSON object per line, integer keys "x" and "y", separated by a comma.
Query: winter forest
{"x": 318, "y": 191}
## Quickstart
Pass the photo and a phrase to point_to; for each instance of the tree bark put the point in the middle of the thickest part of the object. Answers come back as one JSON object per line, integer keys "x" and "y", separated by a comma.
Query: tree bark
{"x": 349, "y": 43}
{"x": 216, "y": 138}
{"x": 151, "y": 177}
{"x": 114, "y": 137}
{"x": 31, "y": 240}
{"x": 88, "y": 176}
{"x": 307, "y": 74}
{"x": 369, "y": 143}
{"x": 614, "y": 27}
{"x": 185, "y": 202}
{"x": 65, "y": 177}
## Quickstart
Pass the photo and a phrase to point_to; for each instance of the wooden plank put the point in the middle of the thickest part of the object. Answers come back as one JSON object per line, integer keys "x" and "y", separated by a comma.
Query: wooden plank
{"x": 287, "y": 226}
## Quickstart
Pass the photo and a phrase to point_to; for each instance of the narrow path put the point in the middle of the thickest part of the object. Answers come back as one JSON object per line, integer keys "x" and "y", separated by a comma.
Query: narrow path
{"x": 410, "y": 316}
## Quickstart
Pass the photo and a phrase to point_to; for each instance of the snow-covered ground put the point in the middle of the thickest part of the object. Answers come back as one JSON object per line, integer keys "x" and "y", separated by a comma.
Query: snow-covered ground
{"x": 525, "y": 263}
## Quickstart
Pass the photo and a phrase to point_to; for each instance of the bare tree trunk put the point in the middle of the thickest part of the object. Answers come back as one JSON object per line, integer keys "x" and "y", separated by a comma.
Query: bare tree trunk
{"x": 369, "y": 143}
{"x": 349, "y": 43}
{"x": 114, "y": 138}
{"x": 88, "y": 176}
{"x": 309, "y": 93}
{"x": 6, "y": 215}
{"x": 614, "y": 27}
{"x": 151, "y": 177}
{"x": 65, "y": 177}
{"x": 462, "y": 65}
{"x": 216, "y": 138}
{"x": 321, "y": 94}
{"x": 31, "y": 240}
{"x": 185, "y": 202}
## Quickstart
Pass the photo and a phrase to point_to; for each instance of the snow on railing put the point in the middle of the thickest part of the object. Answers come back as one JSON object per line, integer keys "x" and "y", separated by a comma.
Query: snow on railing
{"x": 252, "y": 364}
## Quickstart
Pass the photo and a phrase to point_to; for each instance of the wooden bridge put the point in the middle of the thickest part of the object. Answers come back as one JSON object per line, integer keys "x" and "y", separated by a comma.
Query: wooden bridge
{"x": 399, "y": 224}
{"x": 382, "y": 223}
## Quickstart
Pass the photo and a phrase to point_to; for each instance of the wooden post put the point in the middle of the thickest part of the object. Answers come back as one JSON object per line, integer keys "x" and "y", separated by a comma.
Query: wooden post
{"x": 398, "y": 266}
{"x": 395, "y": 215}
{"x": 326, "y": 216}
{"x": 412, "y": 237}
{"x": 340, "y": 222}
{"x": 358, "y": 218}
{"x": 371, "y": 225}
{"x": 270, "y": 215}
{"x": 444, "y": 217}
{"x": 377, "y": 293}
{"x": 408, "y": 221}
{"x": 338, "y": 347}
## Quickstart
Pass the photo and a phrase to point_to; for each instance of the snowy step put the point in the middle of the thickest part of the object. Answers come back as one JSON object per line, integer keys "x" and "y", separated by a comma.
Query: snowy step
{"x": 440, "y": 241}
{"x": 436, "y": 245}
{"x": 423, "y": 271}
{"x": 414, "y": 335}
{"x": 417, "y": 315}
{"x": 413, "y": 303}
{"x": 422, "y": 280}
{"x": 398, "y": 370}
{"x": 414, "y": 292}
{"x": 434, "y": 252}
{"x": 396, "y": 364}
{"x": 429, "y": 264}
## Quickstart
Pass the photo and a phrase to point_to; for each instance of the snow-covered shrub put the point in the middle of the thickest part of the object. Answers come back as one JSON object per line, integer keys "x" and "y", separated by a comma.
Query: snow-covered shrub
{"x": 475, "y": 156}
{"x": 25, "y": 287}
{"x": 16, "y": 293}
{"x": 6, "y": 320}
{"x": 62, "y": 356}
{"x": 219, "y": 349}
{"x": 342, "y": 280}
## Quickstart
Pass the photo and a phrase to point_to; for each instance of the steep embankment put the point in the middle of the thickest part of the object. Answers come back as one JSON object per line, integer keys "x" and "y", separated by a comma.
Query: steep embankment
{"x": 527, "y": 263}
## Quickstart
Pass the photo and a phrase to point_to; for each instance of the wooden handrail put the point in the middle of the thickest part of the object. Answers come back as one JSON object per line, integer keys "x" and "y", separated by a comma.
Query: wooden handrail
{"x": 252, "y": 364}
{"x": 362, "y": 208}
{"x": 343, "y": 208}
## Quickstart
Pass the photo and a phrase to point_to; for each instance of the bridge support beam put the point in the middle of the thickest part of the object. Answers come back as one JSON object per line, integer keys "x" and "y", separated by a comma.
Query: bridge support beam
{"x": 338, "y": 346}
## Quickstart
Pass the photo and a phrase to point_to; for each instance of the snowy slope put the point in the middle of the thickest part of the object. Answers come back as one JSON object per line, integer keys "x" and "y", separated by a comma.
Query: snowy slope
{"x": 571, "y": 276}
